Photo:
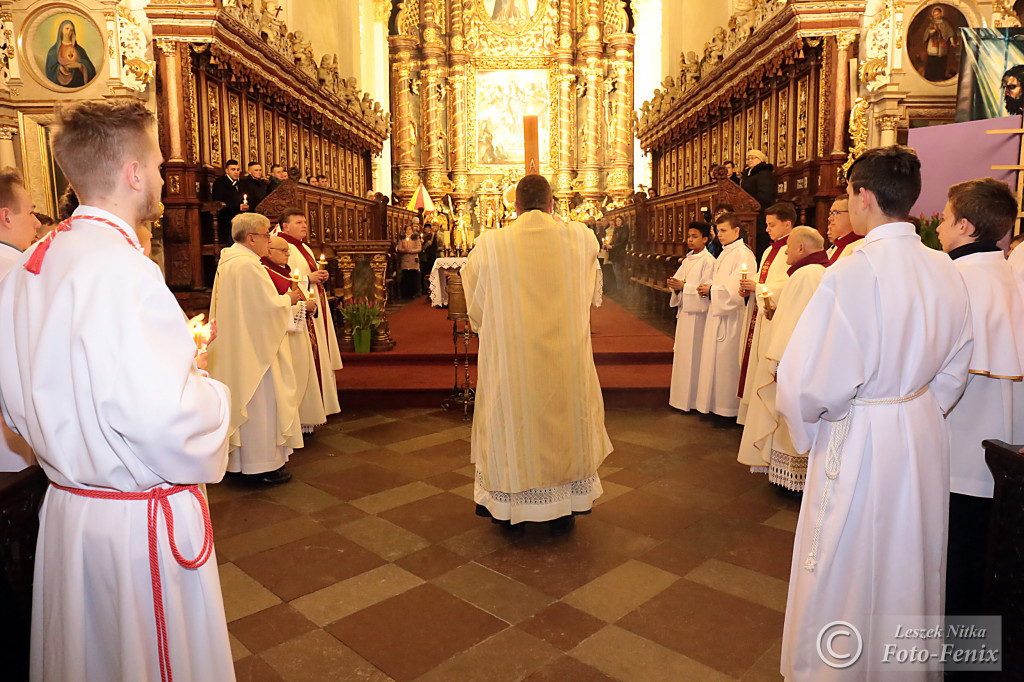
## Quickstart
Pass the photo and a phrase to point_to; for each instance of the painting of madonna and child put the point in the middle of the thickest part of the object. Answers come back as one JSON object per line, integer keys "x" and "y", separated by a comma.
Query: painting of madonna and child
{"x": 510, "y": 11}
{"x": 67, "y": 48}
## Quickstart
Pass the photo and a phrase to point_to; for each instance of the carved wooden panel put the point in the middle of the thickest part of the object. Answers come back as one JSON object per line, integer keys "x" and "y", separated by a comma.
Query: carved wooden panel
{"x": 293, "y": 147}
{"x": 234, "y": 127}
{"x": 252, "y": 128}
{"x": 213, "y": 110}
{"x": 316, "y": 163}
{"x": 766, "y": 126}
{"x": 802, "y": 117}
{"x": 270, "y": 154}
{"x": 782, "y": 126}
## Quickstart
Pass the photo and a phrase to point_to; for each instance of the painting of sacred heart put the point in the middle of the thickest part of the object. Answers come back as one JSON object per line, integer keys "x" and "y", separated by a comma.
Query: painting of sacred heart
{"x": 64, "y": 48}
{"x": 503, "y": 98}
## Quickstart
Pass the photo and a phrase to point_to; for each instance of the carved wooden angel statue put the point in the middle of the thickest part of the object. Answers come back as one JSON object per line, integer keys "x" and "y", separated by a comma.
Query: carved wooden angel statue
{"x": 268, "y": 17}
{"x": 691, "y": 69}
{"x": 323, "y": 74}
{"x": 718, "y": 44}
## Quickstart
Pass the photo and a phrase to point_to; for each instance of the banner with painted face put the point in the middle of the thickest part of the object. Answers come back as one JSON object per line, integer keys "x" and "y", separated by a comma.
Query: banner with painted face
{"x": 991, "y": 73}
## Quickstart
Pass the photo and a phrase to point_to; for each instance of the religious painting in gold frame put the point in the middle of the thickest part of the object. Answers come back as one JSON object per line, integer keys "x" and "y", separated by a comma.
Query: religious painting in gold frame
{"x": 509, "y": 17}
{"x": 63, "y": 47}
{"x": 498, "y": 98}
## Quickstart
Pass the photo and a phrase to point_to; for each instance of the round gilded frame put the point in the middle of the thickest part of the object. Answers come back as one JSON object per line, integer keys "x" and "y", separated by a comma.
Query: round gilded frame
{"x": 44, "y": 24}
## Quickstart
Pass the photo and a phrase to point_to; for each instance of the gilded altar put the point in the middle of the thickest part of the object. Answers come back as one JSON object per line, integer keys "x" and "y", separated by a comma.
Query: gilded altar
{"x": 466, "y": 72}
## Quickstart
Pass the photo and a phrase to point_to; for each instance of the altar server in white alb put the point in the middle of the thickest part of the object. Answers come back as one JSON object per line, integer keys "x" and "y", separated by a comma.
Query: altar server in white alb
{"x": 301, "y": 259}
{"x": 252, "y": 355}
{"x": 99, "y": 374}
{"x": 18, "y": 227}
{"x": 767, "y": 287}
{"x": 719, "y": 367}
{"x": 978, "y": 214}
{"x": 879, "y": 355}
{"x": 691, "y": 314}
{"x": 538, "y": 428}
{"x": 766, "y": 446}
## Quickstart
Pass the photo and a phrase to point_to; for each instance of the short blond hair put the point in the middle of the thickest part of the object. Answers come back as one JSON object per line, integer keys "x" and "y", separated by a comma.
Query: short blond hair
{"x": 92, "y": 139}
{"x": 807, "y": 236}
{"x": 244, "y": 224}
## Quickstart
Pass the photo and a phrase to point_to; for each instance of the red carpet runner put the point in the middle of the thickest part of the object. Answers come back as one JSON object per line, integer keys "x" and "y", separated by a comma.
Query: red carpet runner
{"x": 634, "y": 361}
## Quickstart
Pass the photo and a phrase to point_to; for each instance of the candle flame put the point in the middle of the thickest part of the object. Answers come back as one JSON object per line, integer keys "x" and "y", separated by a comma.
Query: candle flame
{"x": 200, "y": 332}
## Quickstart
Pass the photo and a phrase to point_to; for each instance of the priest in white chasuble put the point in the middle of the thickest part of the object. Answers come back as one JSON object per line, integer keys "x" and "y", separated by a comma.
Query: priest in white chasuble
{"x": 251, "y": 354}
{"x": 766, "y": 446}
{"x": 879, "y": 355}
{"x": 301, "y": 337}
{"x": 18, "y": 227}
{"x": 770, "y": 283}
{"x": 295, "y": 229}
{"x": 978, "y": 214}
{"x": 719, "y": 367}
{"x": 840, "y": 230}
{"x": 691, "y": 316}
{"x": 100, "y": 374}
{"x": 538, "y": 429}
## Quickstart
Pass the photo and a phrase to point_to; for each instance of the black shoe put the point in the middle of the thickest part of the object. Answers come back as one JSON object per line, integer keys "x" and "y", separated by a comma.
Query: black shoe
{"x": 276, "y": 477}
{"x": 563, "y": 525}
{"x": 483, "y": 511}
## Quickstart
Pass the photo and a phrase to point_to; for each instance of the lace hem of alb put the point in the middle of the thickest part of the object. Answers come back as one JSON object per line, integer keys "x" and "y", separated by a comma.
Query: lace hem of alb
{"x": 539, "y": 496}
{"x": 789, "y": 471}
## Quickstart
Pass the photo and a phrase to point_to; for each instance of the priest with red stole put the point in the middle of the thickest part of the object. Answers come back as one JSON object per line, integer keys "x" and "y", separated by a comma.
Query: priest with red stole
{"x": 99, "y": 373}
{"x": 251, "y": 355}
{"x": 301, "y": 337}
{"x": 771, "y": 280}
{"x": 840, "y": 231}
{"x": 978, "y": 214}
{"x": 295, "y": 229}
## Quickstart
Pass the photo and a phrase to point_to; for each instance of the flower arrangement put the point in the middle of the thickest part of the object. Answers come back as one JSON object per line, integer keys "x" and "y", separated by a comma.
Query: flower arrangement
{"x": 361, "y": 313}
{"x": 928, "y": 230}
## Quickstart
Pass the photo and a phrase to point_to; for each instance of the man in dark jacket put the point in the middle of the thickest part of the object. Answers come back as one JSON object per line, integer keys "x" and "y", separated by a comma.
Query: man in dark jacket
{"x": 254, "y": 186}
{"x": 227, "y": 189}
{"x": 759, "y": 182}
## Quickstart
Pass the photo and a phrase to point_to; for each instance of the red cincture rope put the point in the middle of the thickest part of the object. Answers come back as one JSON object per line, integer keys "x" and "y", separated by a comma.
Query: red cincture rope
{"x": 156, "y": 501}
{"x": 35, "y": 262}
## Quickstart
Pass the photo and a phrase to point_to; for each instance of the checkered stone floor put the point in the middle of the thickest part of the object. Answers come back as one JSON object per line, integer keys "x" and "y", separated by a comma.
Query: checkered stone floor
{"x": 371, "y": 565}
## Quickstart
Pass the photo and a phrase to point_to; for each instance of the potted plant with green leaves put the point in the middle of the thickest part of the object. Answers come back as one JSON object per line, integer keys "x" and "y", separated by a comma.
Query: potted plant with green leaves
{"x": 362, "y": 314}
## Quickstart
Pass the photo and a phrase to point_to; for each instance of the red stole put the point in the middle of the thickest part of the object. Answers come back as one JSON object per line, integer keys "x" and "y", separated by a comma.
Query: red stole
{"x": 762, "y": 277}
{"x": 816, "y": 258}
{"x": 299, "y": 245}
{"x": 279, "y": 275}
{"x": 841, "y": 244}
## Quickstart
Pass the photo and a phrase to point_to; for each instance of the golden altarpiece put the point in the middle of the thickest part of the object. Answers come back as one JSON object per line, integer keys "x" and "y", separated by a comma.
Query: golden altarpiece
{"x": 465, "y": 72}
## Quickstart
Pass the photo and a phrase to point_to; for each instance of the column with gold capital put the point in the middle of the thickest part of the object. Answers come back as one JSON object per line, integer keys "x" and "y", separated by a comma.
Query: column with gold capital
{"x": 843, "y": 43}
{"x": 432, "y": 97}
{"x": 405, "y": 130}
{"x": 620, "y": 127}
{"x": 890, "y": 126}
{"x": 566, "y": 80}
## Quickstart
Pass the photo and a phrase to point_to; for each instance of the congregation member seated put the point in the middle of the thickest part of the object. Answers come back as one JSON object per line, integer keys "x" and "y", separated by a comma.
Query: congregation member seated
{"x": 770, "y": 448}
{"x": 251, "y": 357}
{"x": 720, "y": 348}
{"x": 321, "y": 181}
{"x": 691, "y": 316}
{"x": 277, "y": 175}
{"x": 978, "y": 214}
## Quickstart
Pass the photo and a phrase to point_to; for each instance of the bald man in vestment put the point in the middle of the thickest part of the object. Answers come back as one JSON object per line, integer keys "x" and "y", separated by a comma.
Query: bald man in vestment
{"x": 251, "y": 355}
{"x": 301, "y": 337}
{"x": 538, "y": 430}
{"x": 766, "y": 446}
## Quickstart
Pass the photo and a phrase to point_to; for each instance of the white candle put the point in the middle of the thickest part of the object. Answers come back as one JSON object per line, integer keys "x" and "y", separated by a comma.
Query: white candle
{"x": 764, "y": 291}
{"x": 245, "y": 198}
{"x": 743, "y": 271}
{"x": 323, "y": 261}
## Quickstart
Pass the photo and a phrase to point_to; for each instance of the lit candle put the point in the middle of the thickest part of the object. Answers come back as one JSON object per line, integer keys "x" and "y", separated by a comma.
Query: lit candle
{"x": 245, "y": 198}
{"x": 200, "y": 332}
{"x": 323, "y": 261}
{"x": 764, "y": 291}
{"x": 743, "y": 271}
{"x": 295, "y": 276}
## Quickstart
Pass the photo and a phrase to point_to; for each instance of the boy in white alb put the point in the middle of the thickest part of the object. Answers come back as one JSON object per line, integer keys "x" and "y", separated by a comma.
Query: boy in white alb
{"x": 720, "y": 348}
{"x": 692, "y": 312}
{"x": 978, "y": 214}
{"x": 99, "y": 374}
